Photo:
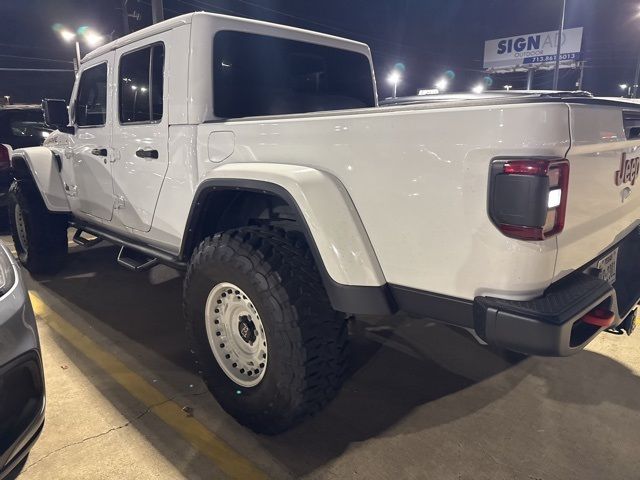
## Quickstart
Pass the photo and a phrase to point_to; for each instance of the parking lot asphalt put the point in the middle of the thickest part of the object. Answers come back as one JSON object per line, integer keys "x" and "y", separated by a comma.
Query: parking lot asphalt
{"x": 422, "y": 400}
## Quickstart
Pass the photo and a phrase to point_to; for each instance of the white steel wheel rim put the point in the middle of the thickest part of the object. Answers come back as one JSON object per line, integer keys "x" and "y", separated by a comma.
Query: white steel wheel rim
{"x": 20, "y": 227}
{"x": 236, "y": 334}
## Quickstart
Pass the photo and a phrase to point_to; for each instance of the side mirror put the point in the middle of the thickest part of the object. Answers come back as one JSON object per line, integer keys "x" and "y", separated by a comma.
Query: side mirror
{"x": 56, "y": 115}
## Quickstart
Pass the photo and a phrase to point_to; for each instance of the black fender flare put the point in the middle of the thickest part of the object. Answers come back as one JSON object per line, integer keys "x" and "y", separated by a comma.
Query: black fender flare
{"x": 352, "y": 299}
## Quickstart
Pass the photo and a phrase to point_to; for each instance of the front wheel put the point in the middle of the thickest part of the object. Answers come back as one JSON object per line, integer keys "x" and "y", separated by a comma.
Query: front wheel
{"x": 267, "y": 342}
{"x": 40, "y": 237}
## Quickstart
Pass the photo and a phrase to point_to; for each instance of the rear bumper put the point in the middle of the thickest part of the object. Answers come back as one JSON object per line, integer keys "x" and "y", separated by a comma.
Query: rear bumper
{"x": 554, "y": 323}
{"x": 551, "y": 325}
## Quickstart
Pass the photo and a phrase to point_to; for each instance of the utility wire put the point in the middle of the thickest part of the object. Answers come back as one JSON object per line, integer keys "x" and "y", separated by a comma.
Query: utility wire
{"x": 24, "y": 57}
{"x": 7, "y": 69}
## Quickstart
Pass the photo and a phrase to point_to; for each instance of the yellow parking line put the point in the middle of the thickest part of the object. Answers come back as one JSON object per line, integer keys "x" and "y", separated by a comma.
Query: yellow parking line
{"x": 228, "y": 460}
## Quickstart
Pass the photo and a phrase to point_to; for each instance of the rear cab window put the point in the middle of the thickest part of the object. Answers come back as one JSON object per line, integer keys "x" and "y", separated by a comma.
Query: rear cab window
{"x": 258, "y": 75}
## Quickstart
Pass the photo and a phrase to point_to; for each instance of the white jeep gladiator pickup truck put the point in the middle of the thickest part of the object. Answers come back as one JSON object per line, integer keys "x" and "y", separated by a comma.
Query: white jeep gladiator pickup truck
{"x": 255, "y": 157}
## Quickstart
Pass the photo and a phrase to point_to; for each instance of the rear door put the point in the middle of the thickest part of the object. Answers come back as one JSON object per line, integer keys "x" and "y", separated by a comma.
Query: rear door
{"x": 91, "y": 152}
{"x": 140, "y": 133}
{"x": 604, "y": 183}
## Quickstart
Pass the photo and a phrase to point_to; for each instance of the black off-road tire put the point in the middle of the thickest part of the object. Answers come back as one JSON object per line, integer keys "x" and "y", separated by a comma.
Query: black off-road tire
{"x": 307, "y": 340}
{"x": 44, "y": 245}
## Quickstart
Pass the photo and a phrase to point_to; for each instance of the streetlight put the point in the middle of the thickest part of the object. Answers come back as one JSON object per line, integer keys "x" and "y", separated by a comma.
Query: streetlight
{"x": 91, "y": 38}
{"x": 394, "y": 79}
{"x": 478, "y": 88}
{"x": 625, "y": 88}
{"x": 67, "y": 35}
{"x": 508, "y": 87}
{"x": 442, "y": 84}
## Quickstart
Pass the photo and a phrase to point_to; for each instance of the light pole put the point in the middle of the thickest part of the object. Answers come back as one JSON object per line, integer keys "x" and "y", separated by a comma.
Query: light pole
{"x": 637, "y": 79}
{"x": 633, "y": 89}
{"x": 157, "y": 11}
{"x": 394, "y": 79}
{"x": 556, "y": 72}
{"x": 135, "y": 96}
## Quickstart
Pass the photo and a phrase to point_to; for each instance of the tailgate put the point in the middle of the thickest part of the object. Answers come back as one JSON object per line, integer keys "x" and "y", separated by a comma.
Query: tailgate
{"x": 604, "y": 188}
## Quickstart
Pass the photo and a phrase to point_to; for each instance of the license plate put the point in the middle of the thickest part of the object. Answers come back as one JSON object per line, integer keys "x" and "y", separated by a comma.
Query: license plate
{"x": 607, "y": 267}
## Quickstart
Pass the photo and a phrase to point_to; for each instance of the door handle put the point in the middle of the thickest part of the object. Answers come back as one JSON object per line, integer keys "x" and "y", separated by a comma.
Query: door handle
{"x": 99, "y": 152}
{"x": 147, "y": 153}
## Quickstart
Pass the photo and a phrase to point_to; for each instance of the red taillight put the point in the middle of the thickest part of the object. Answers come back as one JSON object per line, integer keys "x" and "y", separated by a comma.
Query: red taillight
{"x": 5, "y": 161}
{"x": 526, "y": 167}
{"x": 528, "y": 197}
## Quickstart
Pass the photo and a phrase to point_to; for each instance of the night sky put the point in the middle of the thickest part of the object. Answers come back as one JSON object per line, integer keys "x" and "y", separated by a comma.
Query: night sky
{"x": 428, "y": 36}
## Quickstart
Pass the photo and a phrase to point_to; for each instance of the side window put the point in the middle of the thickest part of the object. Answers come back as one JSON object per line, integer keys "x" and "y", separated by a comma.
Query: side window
{"x": 91, "y": 102}
{"x": 141, "y": 85}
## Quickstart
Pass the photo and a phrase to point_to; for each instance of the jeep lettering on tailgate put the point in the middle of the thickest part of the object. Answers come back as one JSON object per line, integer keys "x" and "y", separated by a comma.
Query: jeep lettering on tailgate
{"x": 629, "y": 169}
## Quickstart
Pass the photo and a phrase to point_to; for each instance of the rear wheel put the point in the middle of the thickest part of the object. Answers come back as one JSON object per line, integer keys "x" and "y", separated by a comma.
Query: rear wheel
{"x": 266, "y": 340}
{"x": 40, "y": 237}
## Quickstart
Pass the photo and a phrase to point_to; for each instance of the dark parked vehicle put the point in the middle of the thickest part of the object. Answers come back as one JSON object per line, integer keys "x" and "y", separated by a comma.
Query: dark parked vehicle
{"x": 22, "y": 398}
{"x": 20, "y": 126}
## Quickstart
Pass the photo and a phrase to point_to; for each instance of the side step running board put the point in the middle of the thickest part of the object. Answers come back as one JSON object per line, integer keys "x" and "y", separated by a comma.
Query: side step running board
{"x": 134, "y": 260}
{"x": 147, "y": 251}
{"x": 85, "y": 242}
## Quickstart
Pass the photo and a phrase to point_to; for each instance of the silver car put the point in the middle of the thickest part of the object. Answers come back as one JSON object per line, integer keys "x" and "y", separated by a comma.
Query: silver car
{"x": 22, "y": 396}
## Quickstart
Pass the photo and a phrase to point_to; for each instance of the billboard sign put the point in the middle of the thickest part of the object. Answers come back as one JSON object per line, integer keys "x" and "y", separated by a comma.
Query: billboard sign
{"x": 535, "y": 50}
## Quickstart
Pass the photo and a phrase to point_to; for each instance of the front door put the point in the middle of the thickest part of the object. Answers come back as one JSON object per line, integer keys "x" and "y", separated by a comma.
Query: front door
{"x": 140, "y": 133}
{"x": 91, "y": 152}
